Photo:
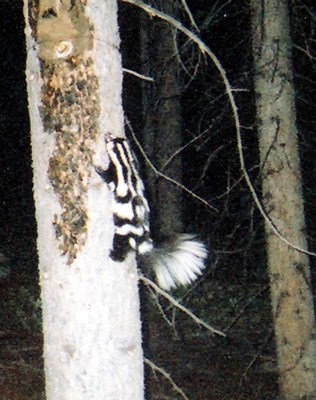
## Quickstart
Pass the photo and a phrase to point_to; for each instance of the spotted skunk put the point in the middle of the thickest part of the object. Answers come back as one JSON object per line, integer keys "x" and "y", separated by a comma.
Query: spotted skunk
{"x": 177, "y": 262}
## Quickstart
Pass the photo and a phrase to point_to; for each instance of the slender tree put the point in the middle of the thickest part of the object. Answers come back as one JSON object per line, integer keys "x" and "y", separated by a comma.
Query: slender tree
{"x": 162, "y": 118}
{"x": 291, "y": 295}
{"x": 92, "y": 339}
{"x": 162, "y": 138}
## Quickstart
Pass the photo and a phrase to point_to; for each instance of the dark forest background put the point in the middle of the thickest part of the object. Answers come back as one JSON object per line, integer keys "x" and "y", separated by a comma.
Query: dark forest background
{"x": 233, "y": 293}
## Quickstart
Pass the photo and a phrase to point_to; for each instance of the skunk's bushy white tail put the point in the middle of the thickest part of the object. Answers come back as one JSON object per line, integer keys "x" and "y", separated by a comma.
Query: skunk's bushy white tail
{"x": 177, "y": 263}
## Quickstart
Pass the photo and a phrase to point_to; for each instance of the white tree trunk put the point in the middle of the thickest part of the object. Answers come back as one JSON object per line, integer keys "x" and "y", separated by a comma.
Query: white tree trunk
{"x": 291, "y": 295}
{"x": 91, "y": 321}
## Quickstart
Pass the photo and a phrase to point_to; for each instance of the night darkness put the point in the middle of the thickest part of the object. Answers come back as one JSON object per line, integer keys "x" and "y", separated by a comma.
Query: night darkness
{"x": 17, "y": 211}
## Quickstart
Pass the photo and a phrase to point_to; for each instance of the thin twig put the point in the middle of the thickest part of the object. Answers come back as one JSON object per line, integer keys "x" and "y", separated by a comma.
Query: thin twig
{"x": 141, "y": 76}
{"x": 199, "y": 321}
{"x": 177, "y": 152}
{"x": 188, "y": 11}
{"x": 166, "y": 177}
{"x": 242, "y": 311}
{"x": 167, "y": 376}
{"x": 155, "y": 298}
{"x": 256, "y": 356}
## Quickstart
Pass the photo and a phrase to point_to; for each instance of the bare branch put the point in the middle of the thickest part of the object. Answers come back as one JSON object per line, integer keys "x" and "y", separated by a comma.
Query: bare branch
{"x": 182, "y": 148}
{"x": 206, "y": 50}
{"x": 166, "y": 177}
{"x": 165, "y": 374}
{"x": 305, "y": 51}
{"x": 213, "y": 12}
{"x": 188, "y": 11}
{"x": 141, "y": 76}
{"x": 199, "y": 321}
{"x": 155, "y": 298}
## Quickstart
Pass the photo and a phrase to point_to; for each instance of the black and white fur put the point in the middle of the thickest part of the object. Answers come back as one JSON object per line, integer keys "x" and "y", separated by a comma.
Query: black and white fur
{"x": 179, "y": 262}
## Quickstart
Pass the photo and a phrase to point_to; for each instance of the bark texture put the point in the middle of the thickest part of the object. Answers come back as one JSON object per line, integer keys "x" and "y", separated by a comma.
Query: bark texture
{"x": 291, "y": 294}
{"x": 91, "y": 321}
